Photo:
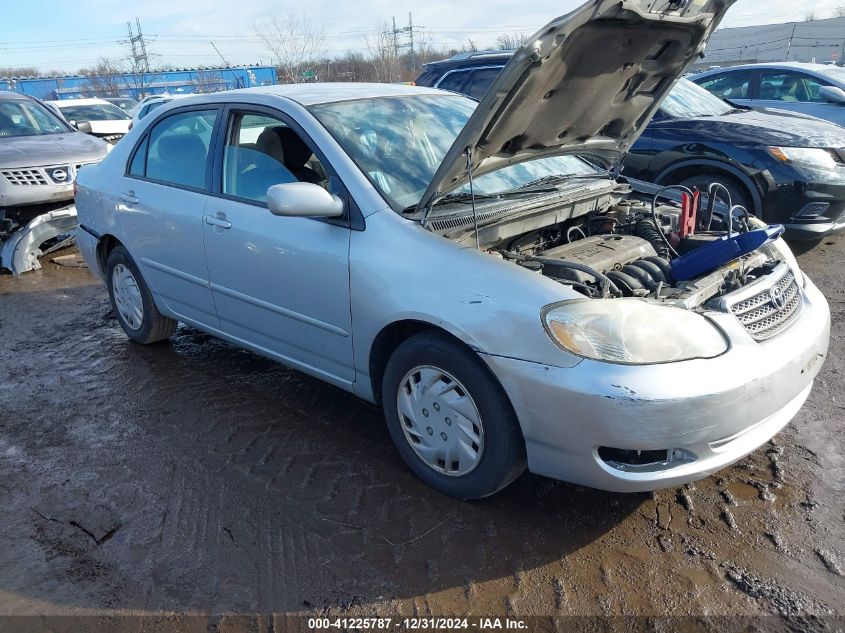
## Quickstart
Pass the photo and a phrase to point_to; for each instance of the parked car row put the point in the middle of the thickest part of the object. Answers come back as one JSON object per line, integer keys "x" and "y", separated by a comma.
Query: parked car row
{"x": 781, "y": 164}
{"x": 478, "y": 267}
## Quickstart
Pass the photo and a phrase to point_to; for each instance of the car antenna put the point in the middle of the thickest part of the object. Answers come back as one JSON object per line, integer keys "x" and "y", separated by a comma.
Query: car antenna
{"x": 472, "y": 196}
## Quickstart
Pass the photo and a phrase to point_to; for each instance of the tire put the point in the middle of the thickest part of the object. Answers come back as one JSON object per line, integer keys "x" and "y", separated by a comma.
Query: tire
{"x": 739, "y": 193}
{"x": 487, "y": 440}
{"x": 132, "y": 301}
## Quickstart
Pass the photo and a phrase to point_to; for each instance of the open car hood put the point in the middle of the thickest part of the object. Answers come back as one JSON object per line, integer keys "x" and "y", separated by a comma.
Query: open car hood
{"x": 586, "y": 83}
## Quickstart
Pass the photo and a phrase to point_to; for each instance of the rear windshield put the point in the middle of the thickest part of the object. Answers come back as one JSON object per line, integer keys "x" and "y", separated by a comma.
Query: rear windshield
{"x": 28, "y": 118}
{"x": 94, "y": 112}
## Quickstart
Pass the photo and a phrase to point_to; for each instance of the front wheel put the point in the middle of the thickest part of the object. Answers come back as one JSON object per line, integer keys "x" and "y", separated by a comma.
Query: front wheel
{"x": 132, "y": 300}
{"x": 450, "y": 419}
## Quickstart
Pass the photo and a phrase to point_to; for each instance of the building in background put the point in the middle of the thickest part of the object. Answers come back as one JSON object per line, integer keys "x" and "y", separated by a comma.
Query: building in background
{"x": 822, "y": 41}
{"x": 136, "y": 86}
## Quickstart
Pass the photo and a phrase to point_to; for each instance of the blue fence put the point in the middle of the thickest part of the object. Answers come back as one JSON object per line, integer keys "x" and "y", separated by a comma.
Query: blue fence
{"x": 186, "y": 81}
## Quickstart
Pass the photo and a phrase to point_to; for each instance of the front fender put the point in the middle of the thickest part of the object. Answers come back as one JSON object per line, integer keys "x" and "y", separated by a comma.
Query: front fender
{"x": 402, "y": 272}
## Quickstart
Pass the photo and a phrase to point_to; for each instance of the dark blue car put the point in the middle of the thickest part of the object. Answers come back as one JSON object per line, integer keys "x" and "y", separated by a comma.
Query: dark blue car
{"x": 784, "y": 167}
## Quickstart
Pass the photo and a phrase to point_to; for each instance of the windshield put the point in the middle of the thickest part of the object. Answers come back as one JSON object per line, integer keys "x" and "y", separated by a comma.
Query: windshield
{"x": 93, "y": 112}
{"x": 400, "y": 142}
{"x": 836, "y": 74}
{"x": 27, "y": 118}
{"x": 688, "y": 100}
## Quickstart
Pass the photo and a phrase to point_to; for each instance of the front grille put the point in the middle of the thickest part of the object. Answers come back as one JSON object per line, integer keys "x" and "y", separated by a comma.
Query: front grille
{"x": 24, "y": 176}
{"x": 759, "y": 314}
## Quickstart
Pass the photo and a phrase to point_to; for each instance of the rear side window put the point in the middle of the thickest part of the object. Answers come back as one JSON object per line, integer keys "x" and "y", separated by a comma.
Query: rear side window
{"x": 176, "y": 150}
{"x": 735, "y": 85}
{"x": 454, "y": 81}
{"x": 481, "y": 80}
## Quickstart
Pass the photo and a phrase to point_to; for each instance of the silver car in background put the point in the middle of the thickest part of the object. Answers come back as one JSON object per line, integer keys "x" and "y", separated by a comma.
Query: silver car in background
{"x": 40, "y": 155}
{"x": 508, "y": 303}
{"x": 814, "y": 89}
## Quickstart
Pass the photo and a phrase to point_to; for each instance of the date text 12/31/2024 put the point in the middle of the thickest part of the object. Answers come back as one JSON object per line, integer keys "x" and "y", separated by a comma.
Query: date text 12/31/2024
{"x": 418, "y": 624}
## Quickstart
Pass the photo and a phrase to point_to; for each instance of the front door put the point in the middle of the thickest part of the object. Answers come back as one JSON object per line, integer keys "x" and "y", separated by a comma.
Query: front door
{"x": 280, "y": 284}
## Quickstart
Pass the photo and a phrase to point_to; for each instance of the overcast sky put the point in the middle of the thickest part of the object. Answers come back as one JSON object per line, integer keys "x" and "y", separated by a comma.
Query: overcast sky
{"x": 66, "y": 36}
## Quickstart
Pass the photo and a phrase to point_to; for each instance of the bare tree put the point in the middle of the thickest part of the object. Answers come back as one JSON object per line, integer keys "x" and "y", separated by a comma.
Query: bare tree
{"x": 295, "y": 44}
{"x": 839, "y": 12}
{"x": 810, "y": 16}
{"x": 510, "y": 41}
{"x": 19, "y": 71}
{"x": 384, "y": 53}
{"x": 105, "y": 79}
{"x": 206, "y": 81}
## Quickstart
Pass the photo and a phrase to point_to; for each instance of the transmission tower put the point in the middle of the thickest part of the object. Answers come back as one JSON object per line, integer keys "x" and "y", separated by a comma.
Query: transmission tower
{"x": 407, "y": 33}
{"x": 138, "y": 45}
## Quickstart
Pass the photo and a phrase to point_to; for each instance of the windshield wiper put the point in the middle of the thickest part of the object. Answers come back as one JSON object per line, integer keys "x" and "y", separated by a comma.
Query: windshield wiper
{"x": 557, "y": 179}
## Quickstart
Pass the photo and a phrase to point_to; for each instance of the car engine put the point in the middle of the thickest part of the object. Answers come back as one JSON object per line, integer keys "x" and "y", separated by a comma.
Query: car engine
{"x": 675, "y": 253}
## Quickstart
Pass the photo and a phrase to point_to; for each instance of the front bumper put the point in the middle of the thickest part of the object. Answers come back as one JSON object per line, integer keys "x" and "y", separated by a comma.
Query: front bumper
{"x": 808, "y": 208}
{"x": 19, "y": 195}
{"x": 713, "y": 412}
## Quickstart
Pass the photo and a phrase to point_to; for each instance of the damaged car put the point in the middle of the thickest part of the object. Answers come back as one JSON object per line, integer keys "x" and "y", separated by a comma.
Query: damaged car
{"x": 40, "y": 155}
{"x": 469, "y": 266}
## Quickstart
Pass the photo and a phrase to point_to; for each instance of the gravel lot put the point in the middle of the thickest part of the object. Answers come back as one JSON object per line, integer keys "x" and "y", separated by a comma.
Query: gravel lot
{"x": 192, "y": 477}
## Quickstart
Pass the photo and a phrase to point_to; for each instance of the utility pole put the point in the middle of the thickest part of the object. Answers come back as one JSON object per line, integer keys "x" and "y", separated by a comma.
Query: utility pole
{"x": 411, "y": 36}
{"x": 789, "y": 46}
{"x": 395, "y": 49}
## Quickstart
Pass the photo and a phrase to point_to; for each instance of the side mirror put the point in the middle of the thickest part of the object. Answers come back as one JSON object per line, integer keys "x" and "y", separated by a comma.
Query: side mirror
{"x": 303, "y": 200}
{"x": 82, "y": 126}
{"x": 833, "y": 94}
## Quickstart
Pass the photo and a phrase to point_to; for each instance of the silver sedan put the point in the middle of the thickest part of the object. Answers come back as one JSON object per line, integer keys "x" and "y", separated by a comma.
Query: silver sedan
{"x": 507, "y": 302}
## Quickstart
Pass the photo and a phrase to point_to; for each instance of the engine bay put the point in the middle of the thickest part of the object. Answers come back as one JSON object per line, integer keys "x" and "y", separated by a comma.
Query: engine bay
{"x": 679, "y": 253}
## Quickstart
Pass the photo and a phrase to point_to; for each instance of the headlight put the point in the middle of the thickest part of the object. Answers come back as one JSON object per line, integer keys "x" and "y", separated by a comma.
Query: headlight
{"x": 813, "y": 158}
{"x": 631, "y": 331}
{"x": 780, "y": 250}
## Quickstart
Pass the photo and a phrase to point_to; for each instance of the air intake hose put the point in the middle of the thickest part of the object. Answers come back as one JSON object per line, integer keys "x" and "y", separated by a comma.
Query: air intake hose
{"x": 647, "y": 231}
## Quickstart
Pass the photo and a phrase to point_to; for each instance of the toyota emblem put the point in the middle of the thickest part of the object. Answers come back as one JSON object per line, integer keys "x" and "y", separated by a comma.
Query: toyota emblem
{"x": 778, "y": 300}
{"x": 59, "y": 175}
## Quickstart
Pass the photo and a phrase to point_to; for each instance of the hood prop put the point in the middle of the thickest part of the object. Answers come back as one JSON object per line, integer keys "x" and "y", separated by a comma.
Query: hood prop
{"x": 468, "y": 152}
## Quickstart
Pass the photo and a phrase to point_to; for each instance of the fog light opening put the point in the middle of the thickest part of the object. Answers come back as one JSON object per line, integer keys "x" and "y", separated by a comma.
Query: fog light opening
{"x": 626, "y": 459}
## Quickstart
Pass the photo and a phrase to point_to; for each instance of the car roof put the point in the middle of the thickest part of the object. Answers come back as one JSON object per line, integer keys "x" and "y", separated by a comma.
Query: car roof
{"x": 72, "y": 102}
{"x": 471, "y": 58}
{"x": 806, "y": 66}
{"x": 314, "y": 93}
{"x": 7, "y": 95}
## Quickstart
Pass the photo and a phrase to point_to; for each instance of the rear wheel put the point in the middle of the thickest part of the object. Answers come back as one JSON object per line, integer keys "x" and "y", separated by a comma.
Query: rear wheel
{"x": 450, "y": 419}
{"x": 132, "y": 300}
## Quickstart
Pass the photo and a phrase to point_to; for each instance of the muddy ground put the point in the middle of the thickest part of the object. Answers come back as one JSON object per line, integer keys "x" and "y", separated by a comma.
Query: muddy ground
{"x": 192, "y": 477}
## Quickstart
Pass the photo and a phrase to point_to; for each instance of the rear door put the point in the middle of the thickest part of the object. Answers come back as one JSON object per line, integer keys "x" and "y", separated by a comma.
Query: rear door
{"x": 161, "y": 200}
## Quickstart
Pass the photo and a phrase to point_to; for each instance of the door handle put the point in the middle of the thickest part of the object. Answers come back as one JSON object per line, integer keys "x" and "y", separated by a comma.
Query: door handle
{"x": 129, "y": 197}
{"x": 216, "y": 220}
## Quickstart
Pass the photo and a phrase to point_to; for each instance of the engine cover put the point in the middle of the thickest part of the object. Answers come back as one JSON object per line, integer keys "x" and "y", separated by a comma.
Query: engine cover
{"x": 603, "y": 252}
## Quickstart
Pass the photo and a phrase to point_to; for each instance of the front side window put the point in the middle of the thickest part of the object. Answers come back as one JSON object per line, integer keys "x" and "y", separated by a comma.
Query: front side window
{"x": 27, "y": 118}
{"x": 399, "y": 142}
{"x": 734, "y": 85}
{"x": 262, "y": 151}
{"x": 789, "y": 88}
{"x": 177, "y": 149}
